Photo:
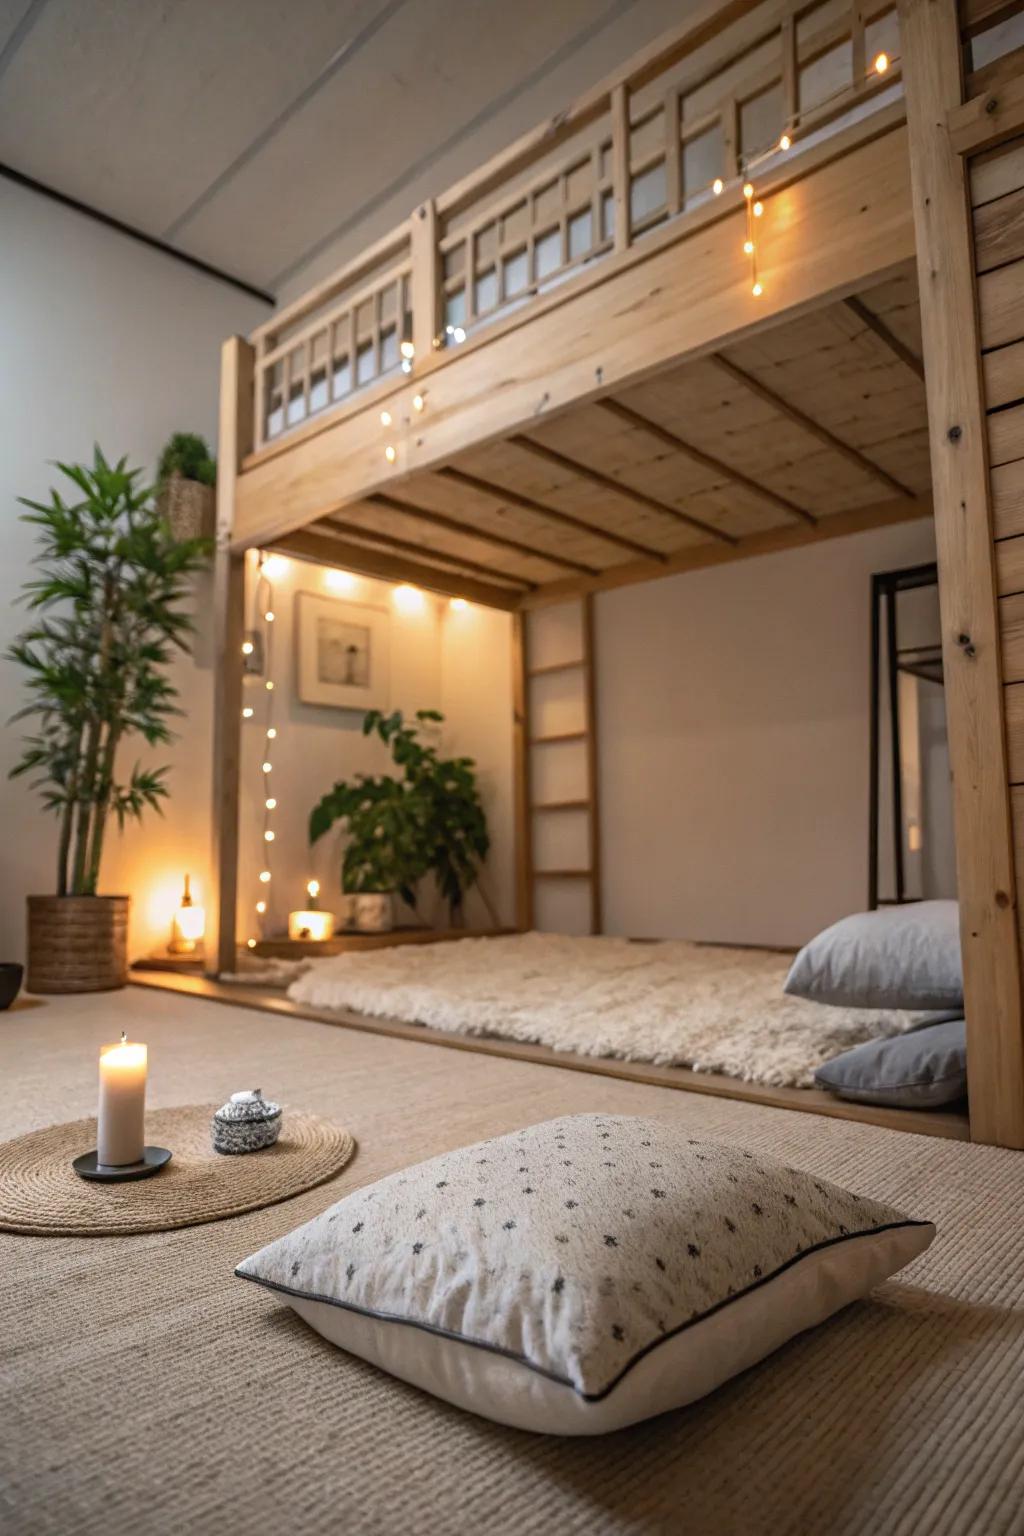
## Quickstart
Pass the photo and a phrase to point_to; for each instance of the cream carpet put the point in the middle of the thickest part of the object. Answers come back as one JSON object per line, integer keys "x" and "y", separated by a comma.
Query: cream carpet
{"x": 145, "y": 1391}
{"x": 685, "y": 1005}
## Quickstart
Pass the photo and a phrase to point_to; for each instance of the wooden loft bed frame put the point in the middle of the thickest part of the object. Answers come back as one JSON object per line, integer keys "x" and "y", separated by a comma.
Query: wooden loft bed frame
{"x": 594, "y": 394}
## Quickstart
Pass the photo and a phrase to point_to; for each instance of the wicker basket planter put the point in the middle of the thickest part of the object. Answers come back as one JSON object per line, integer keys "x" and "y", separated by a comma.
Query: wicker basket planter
{"x": 77, "y": 943}
{"x": 189, "y": 507}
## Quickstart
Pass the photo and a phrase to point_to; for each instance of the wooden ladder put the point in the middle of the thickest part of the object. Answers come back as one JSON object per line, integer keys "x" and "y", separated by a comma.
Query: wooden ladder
{"x": 528, "y": 743}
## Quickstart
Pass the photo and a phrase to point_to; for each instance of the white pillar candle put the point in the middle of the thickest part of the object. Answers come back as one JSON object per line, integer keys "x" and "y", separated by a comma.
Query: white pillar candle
{"x": 120, "y": 1136}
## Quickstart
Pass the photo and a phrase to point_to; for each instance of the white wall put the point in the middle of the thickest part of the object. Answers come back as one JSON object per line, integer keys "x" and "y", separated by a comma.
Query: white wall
{"x": 103, "y": 341}
{"x": 733, "y": 728}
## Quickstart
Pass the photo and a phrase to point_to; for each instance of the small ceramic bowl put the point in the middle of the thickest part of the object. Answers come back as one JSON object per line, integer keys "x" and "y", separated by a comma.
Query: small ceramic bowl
{"x": 246, "y": 1123}
{"x": 10, "y": 982}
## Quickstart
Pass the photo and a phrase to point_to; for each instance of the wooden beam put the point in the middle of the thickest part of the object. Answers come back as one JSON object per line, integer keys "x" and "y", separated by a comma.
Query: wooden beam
{"x": 617, "y": 487}
{"x": 834, "y": 226}
{"x": 871, "y": 320}
{"x": 808, "y": 424}
{"x": 555, "y": 514}
{"x": 324, "y": 549}
{"x": 521, "y": 775}
{"x": 471, "y": 530}
{"x": 988, "y": 119}
{"x": 700, "y": 557}
{"x": 979, "y": 15}
{"x": 234, "y": 440}
{"x": 967, "y": 579}
{"x": 621, "y": 180}
{"x": 593, "y": 765}
{"x": 401, "y": 546}
{"x": 424, "y": 285}
{"x": 727, "y": 472}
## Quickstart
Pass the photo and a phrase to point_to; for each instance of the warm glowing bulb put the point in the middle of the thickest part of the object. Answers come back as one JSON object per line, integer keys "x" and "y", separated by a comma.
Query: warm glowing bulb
{"x": 881, "y": 63}
{"x": 313, "y": 888}
{"x": 271, "y": 804}
{"x": 385, "y": 418}
{"x": 757, "y": 290}
{"x": 718, "y": 186}
{"x": 389, "y": 454}
{"x": 407, "y": 349}
{"x": 748, "y": 190}
{"x": 261, "y": 907}
{"x": 408, "y": 599}
{"x": 458, "y": 334}
{"x": 459, "y": 604}
{"x": 269, "y": 687}
{"x": 267, "y": 767}
{"x": 339, "y": 581}
{"x": 748, "y": 247}
{"x": 274, "y": 566}
{"x": 758, "y": 210}
{"x": 268, "y": 836}
{"x": 271, "y": 732}
{"x": 247, "y": 647}
{"x": 785, "y": 141}
{"x": 269, "y": 616}
{"x": 264, "y": 876}
{"x": 417, "y": 402}
{"x": 247, "y": 712}
{"x": 250, "y": 943}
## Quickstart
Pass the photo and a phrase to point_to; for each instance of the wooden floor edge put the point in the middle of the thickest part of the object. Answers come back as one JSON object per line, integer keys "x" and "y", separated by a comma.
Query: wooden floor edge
{"x": 950, "y": 1125}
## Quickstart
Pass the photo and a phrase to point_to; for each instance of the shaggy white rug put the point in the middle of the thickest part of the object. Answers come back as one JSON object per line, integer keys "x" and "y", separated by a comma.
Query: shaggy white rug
{"x": 680, "y": 1004}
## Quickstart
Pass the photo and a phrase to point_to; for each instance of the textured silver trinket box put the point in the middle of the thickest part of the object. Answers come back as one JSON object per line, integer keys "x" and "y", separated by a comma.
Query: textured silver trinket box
{"x": 246, "y": 1123}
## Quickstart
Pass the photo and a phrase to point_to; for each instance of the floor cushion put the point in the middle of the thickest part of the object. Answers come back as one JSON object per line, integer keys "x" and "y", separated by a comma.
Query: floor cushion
{"x": 922, "y": 1070}
{"x": 898, "y": 957}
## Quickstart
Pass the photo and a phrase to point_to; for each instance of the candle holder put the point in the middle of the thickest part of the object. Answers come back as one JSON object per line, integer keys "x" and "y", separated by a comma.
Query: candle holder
{"x": 89, "y": 1167}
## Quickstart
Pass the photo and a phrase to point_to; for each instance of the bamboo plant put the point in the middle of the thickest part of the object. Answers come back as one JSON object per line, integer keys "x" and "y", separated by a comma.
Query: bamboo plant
{"x": 109, "y": 609}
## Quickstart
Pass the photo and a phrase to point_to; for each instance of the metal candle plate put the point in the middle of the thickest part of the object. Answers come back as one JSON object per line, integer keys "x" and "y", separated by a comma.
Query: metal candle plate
{"x": 88, "y": 1166}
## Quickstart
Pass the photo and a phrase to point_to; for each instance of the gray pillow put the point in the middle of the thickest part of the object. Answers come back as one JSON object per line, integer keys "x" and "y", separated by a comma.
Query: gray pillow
{"x": 921, "y": 1070}
{"x": 897, "y": 957}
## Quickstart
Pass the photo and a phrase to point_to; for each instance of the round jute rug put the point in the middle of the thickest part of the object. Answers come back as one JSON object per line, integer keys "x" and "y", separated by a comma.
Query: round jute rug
{"x": 40, "y": 1193}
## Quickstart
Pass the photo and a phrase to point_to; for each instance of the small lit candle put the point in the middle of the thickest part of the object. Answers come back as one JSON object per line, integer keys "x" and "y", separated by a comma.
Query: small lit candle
{"x": 120, "y": 1137}
{"x": 312, "y": 923}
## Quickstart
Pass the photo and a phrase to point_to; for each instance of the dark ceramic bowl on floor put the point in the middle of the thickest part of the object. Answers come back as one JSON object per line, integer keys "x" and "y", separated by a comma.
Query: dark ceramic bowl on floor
{"x": 10, "y": 982}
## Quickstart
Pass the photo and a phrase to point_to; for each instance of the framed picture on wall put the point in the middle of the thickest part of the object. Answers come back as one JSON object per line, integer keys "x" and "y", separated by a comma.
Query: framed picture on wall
{"x": 342, "y": 653}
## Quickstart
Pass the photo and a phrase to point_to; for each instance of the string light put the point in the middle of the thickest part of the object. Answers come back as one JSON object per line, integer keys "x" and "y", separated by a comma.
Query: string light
{"x": 748, "y": 247}
{"x": 718, "y": 186}
{"x": 261, "y": 907}
{"x": 748, "y": 190}
{"x": 785, "y": 142}
{"x": 247, "y": 712}
{"x": 250, "y": 943}
{"x": 271, "y": 732}
{"x": 267, "y": 568}
{"x": 268, "y": 836}
{"x": 881, "y": 63}
{"x": 385, "y": 418}
{"x": 269, "y": 686}
{"x": 758, "y": 210}
{"x": 757, "y": 290}
{"x": 266, "y": 767}
{"x": 390, "y": 454}
{"x": 247, "y": 647}
{"x": 407, "y": 350}
{"x": 269, "y": 616}
{"x": 417, "y": 402}
{"x": 265, "y": 876}
{"x": 270, "y": 803}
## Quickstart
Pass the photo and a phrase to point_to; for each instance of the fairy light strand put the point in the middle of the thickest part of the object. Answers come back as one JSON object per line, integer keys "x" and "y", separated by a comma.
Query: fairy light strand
{"x": 264, "y": 615}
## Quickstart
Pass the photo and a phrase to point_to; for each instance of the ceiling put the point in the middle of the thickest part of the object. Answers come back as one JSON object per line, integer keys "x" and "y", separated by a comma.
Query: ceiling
{"x": 275, "y": 138}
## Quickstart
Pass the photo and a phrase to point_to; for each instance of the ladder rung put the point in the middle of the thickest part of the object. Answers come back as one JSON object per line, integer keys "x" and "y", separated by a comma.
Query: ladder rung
{"x": 556, "y": 666}
{"x": 561, "y": 805}
{"x": 547, "y": 741}
{"x": 563, "y": 874}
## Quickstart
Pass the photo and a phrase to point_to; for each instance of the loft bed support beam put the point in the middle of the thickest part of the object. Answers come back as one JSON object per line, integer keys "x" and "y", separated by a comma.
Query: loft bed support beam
{"x": 932, "y": 55}
{"x": 234, "y": 441}
{"x": 357, "y": 533}
{"x": 874, "y": 323}
{"x": 727, "y": 472}
{"x": 471, "y": 530}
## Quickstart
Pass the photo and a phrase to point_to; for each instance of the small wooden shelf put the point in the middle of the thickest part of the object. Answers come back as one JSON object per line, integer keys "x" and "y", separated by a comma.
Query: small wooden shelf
{"x": 561, "y": 805}
{"x": 556, "y": 666}
{"x": 547, "y": 741}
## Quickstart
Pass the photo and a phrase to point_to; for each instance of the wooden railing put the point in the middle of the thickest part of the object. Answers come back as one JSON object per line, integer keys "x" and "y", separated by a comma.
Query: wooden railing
{"x": 684, "y": 122}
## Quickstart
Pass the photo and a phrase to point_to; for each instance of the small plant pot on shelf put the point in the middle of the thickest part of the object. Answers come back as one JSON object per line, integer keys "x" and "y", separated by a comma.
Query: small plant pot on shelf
{"x": 188, "y": 506}
{"x": 374, "y": 912}
{"x": 77, "y": 943}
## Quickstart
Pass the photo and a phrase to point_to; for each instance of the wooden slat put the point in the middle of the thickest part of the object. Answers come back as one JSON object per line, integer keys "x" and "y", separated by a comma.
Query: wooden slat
{"x": 521, "y": 775}
{"x": 234, "y": 440}
{"x": 999, "y": 304}
{"x": 620, "y": 167}
{"x": 503, "y": 493}
{"x": 557, "y": 738}
{"x": 538, "y": 807}
{"x": 1006, "y": 435}
{"x": 617, "y": 487}
{"x": 324, "y": 549}
{"x": 1008, "y": 499}
{"x": 1011, "y": 630}
{"x": 885, "y": 335}
{"x": 499, "y": 540}
{"x": 425, "y": 286}
{"x": 970, "y": 623}
{"x": 988, "y": 119}
{"x": 556, "y": 666}
{"x": 1013, "y": 693}
{"x": 979, "y": 15}
{"x": 593, "y": 766}
{"x": 999, "y": 231}
{"x": 1010, "y": 565}
{"x": 996, "y": 173}
{"x": 1004, "y": 375}
{"x": 563, "y": 874}
{"x": 358, "y": 533}
{"x": 808, "y": 424}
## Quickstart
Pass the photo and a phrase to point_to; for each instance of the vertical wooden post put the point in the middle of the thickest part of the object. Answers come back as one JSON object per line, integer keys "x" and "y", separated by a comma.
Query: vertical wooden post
{"x": 426, "y": 322}
{"x": 521, "y": 774}
{"x": 234, "y": 441}
{"x": 932, "y": 73}
{"x": 593, "y": 794}
{"x": 674, "y": 191}
{"x": 621, "y": 188}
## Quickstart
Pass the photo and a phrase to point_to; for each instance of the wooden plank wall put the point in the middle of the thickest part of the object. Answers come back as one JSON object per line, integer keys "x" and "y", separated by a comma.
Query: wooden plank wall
{"x": 997, "y": 198}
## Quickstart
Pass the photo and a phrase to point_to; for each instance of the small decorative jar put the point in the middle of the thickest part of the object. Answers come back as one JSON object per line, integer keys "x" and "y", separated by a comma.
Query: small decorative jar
{"x": 246, "y": 1123}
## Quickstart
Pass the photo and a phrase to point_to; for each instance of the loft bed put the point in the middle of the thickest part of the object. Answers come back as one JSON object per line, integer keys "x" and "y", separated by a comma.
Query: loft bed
{"x": 760, "y": 289}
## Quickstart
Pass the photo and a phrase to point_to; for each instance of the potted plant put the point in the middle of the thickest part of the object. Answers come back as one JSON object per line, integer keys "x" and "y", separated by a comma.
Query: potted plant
{"x": 426, "y": 821}
{"x": 109, "y": 611}
{"x": 186, "y": 476}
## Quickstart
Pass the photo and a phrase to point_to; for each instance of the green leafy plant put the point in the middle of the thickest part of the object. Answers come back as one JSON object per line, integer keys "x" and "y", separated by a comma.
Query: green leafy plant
{"x": 428, "y": 821}
{"x": 187, "y": 455}
{"x": 109, "y": 605}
